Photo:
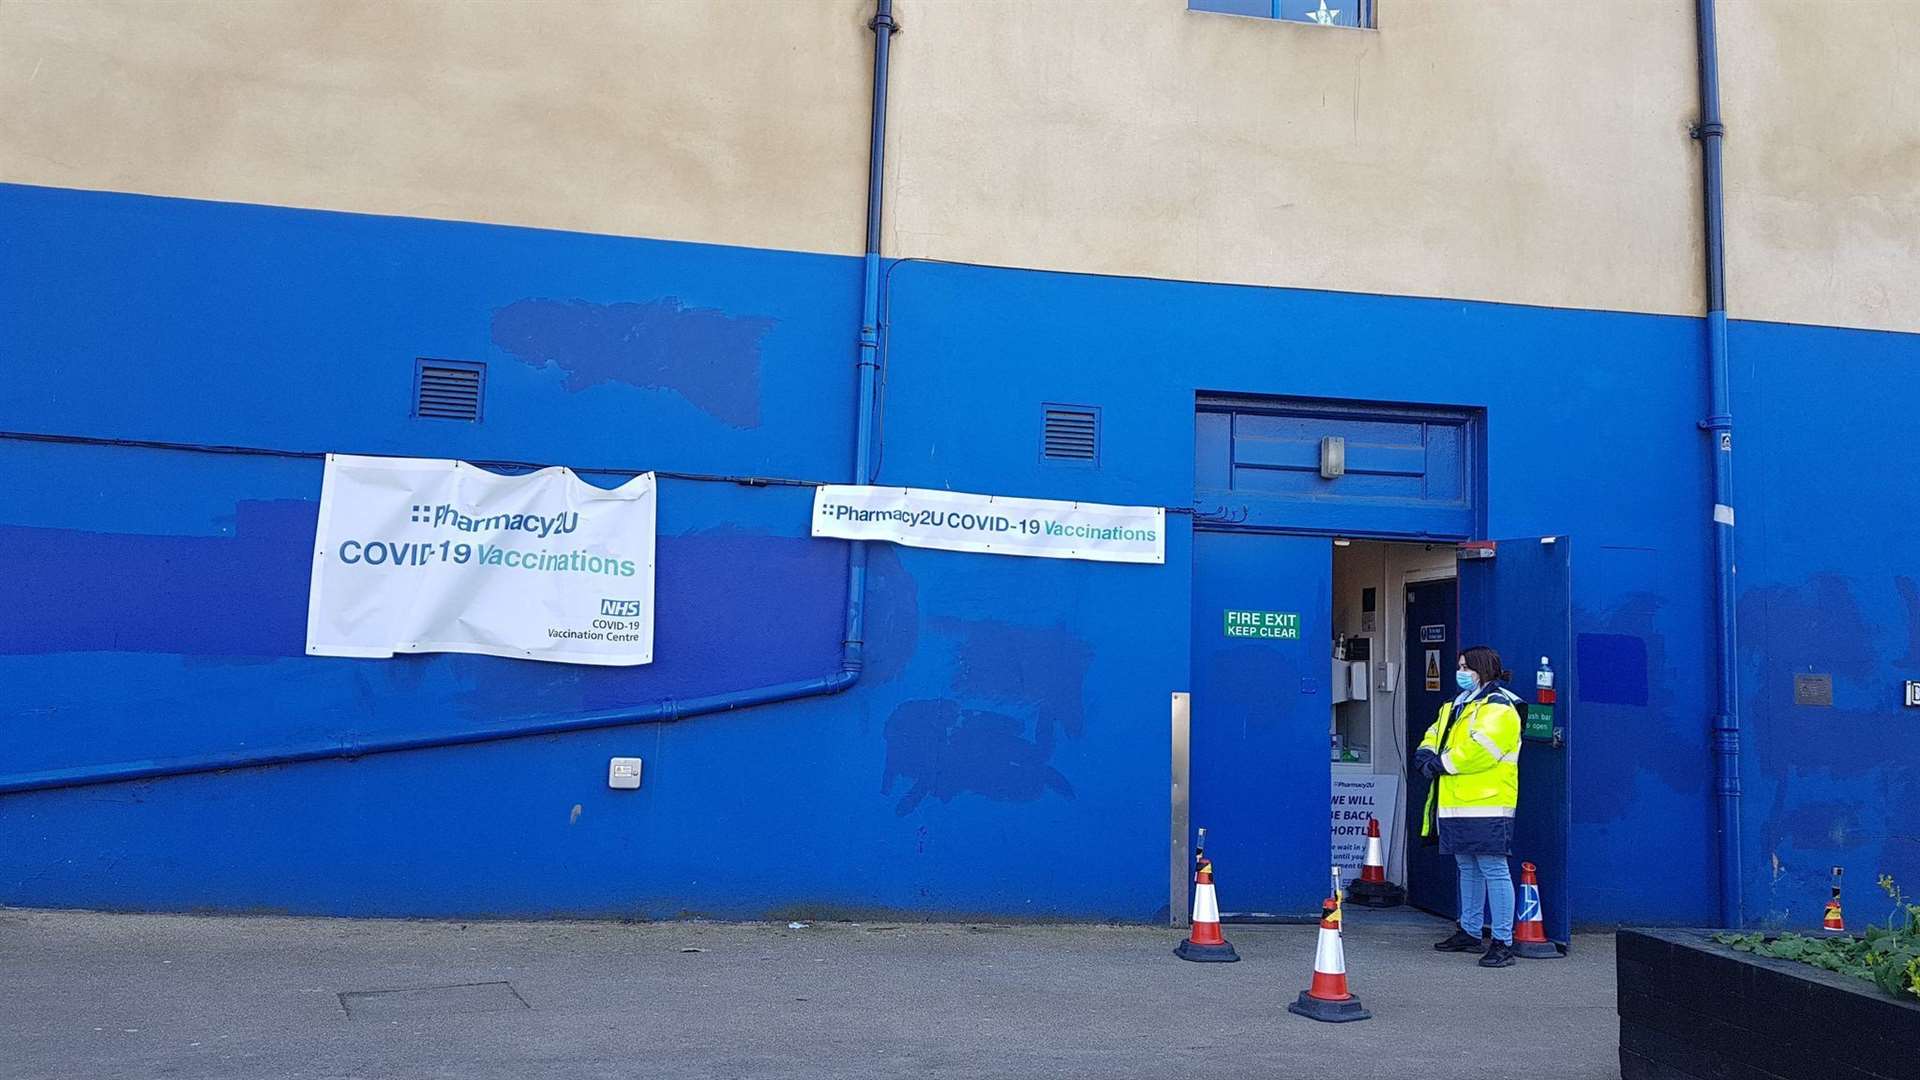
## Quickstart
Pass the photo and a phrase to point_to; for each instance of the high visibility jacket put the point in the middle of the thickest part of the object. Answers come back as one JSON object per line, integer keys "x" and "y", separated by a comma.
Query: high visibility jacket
{"x": 1472, "y": 802}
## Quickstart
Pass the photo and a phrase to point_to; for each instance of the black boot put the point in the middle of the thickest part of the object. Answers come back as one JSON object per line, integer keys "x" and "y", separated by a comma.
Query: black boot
{"x": 1461, "y": 941}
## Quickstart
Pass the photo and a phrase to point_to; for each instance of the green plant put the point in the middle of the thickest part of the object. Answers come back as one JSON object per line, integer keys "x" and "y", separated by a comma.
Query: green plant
{"x": 1893, "y": 950}
{"x": 1887, "y": 956}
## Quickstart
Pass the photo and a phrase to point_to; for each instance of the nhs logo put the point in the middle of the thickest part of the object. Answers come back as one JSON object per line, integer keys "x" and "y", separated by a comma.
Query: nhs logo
{"x": 625, "y": 609}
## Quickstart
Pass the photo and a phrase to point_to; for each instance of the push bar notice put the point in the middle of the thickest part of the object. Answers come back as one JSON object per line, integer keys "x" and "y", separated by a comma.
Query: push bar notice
{"x": 991, "y": 524}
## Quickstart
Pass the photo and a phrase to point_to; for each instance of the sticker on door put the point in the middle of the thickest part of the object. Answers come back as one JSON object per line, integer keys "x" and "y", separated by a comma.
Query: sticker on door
{"x": 1433, "y": 670}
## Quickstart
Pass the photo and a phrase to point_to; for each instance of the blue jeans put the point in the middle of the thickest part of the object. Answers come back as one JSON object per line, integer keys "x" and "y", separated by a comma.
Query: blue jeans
{"x": 1485, "y": 879}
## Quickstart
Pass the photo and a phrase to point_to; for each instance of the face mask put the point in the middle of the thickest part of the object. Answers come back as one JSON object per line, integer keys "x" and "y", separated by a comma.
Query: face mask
{"x": 1466, "y": 679}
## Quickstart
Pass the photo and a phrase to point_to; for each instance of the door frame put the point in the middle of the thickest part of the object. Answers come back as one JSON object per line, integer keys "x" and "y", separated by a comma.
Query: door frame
{"x": 1221, "y": 517}
{"x": 1405, "y": 579}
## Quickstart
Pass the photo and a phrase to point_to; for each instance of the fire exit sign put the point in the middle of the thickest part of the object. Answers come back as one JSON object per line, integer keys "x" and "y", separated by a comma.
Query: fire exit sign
{"x": 1263, "y": 624}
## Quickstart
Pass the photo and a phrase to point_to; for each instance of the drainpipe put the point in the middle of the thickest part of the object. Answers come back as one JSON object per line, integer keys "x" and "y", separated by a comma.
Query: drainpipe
{"x": 1719, "y": 427}
{"x": 852, "y": 647}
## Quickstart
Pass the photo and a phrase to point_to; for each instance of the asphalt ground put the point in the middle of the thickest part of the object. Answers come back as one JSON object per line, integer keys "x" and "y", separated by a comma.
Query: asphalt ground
{"x": 121, "y": 995}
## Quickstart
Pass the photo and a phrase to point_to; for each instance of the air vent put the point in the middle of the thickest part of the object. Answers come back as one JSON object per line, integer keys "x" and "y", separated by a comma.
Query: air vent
{"x": 1071, "y": 433}
{"x": 448, "y": 390}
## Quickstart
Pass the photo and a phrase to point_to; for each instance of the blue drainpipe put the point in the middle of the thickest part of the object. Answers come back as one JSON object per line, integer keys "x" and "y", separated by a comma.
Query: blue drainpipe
{"x": 1719, "y": 427}
{"x": 852, "y": 647}
{"x": 853, "y": 657}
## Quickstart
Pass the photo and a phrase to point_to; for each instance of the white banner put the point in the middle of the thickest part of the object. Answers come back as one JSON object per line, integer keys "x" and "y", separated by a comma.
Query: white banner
{"x": 424, "y": 555}
{"x": 991, "y": 524}
{"x": 1357, "y": 797}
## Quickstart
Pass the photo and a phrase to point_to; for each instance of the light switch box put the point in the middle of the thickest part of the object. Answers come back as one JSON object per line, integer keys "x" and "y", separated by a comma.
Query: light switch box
{"x": 623, "y": 772}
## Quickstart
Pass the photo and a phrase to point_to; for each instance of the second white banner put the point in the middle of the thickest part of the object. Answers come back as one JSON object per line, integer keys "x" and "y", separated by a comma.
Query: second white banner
{"x": 992, "y": 524}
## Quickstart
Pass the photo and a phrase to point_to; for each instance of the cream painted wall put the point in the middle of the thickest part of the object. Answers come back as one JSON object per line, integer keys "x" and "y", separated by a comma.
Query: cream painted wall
{"x": 1521, "y": 150}
{"x": 731, "y": 123}
{"x": 1822, "y": 105}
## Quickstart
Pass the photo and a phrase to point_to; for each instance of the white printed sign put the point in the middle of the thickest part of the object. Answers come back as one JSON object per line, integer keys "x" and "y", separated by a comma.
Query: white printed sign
{"x": 1356, "y": 798}
{"x": 992, "y": 524}
{"x": 417, "y": 555}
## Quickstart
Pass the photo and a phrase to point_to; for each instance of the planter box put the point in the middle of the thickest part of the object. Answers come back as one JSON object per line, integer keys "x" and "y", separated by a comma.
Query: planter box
{"x": 1691, "y": 1009}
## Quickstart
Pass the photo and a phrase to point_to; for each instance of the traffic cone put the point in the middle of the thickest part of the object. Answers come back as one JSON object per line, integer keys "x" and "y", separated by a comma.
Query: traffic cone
{"x": 1833, "y": 923}
{"x": 1204, "y": 943}
{"x": 1371, "y": 888}
{"x": 1327, "y": 998}
{"x": 1529, "y": 928}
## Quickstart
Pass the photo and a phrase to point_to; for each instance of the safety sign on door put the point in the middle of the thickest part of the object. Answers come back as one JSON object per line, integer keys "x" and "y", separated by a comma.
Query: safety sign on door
{"x": 1284, "y": 625}
{"x": 1433, "y": 669}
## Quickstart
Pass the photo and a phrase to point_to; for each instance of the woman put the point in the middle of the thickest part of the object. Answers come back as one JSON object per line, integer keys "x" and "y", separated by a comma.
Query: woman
{"x": 1471, "y": 756}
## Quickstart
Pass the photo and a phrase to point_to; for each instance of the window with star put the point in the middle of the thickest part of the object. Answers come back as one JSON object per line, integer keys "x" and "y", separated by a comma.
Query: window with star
{"x": 1350, "y": 13}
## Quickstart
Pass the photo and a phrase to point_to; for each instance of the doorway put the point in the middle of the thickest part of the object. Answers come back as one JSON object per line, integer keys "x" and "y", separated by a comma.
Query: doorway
{"x": 1394, "y": 672}
{"x": 1301, "y": 632}
{"x": 1303, "y": 689}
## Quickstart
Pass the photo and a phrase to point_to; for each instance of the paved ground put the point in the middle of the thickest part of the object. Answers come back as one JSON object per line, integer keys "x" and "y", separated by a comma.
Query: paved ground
{"x": 87, "y": 995}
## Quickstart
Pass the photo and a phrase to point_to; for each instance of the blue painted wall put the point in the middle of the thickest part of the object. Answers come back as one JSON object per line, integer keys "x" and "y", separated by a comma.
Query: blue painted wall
{"x": 1014, "y": 714}
{"x": 156, "y": 604}
{"x": 1564, "y": 457}
{"x": 1830, "y": 584}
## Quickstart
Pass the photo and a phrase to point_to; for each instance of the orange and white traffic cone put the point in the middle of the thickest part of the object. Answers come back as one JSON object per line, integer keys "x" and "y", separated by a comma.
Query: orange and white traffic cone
{"x": 1327, "y": 998}
{"x": 1204, "y": 943}
{"x": 1833, "y": 923}
{"x": 1371, "y": 888}
{"x": 1529, "y": 927}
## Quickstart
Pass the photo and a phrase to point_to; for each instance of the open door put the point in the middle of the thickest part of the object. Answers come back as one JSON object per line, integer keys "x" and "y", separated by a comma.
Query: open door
{"x": 1432, "y": 650}
{"x": 1260, "y": 762}
{"x": 1517, "y": 597}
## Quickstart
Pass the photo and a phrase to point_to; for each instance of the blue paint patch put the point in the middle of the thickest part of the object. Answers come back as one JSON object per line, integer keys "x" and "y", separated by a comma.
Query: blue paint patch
{"x": 1820, "y": 825}
{"x": 237, "y": 596}
{"x": 1626, "y": 682}
{"x": 942, "y": 750}
{"x": 1613, "y": 669}
{"x": 892, "y": 615}
{"x": 944, "y": 747}
{"x": 1041, "y": 669}
{"x": 706, "y": 355}
{"x": 1910, "y": 601}
{"x": 1815, "y": 627}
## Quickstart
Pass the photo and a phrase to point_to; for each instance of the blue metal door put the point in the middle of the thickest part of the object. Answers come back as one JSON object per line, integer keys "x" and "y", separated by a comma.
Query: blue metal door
{"x": 1517, "y": 596}
{"x": 1260, "y": 766}
{"x": 1433, "y": 651}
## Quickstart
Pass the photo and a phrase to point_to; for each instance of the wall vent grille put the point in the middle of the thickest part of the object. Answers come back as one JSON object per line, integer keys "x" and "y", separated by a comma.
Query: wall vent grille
{"x": 448, "y": 390}
{"x": 1071, "y": 433}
